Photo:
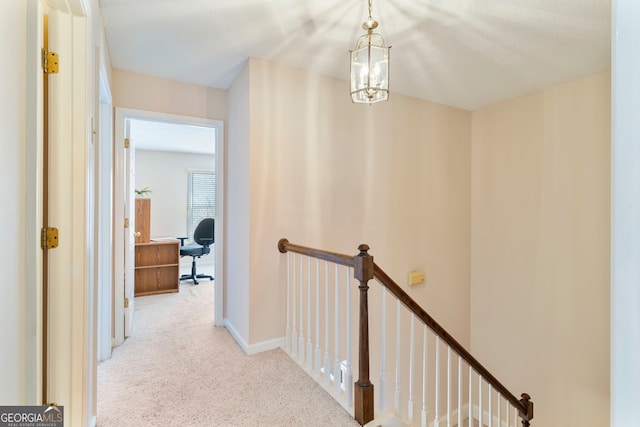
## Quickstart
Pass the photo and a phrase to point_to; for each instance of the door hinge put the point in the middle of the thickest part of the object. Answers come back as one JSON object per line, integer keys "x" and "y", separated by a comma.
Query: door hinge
{"x": 49, "y": 62}
{"x": 126, "y": 143}
{"x": 126, "y": 223}
{"x": 49, "y": 238}
{"x": 126, "y": 303}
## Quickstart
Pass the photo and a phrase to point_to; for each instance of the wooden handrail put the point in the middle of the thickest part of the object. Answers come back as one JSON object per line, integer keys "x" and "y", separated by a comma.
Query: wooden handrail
{"x": 284, "y": 246}
{"x": 363, "y": 265}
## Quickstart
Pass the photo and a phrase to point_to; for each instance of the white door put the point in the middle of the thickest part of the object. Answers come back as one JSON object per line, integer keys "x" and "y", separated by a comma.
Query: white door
{"x": 123, "y": 225}
{"x": 129, "y": 232}
{"x": 70, "y": 359}
{"x": 104, "y": 209}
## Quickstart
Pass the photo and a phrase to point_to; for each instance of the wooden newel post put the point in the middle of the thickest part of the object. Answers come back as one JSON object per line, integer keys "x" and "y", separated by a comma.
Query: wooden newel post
{"x": 363, "y": 399}
{"x": 528, "y": 416}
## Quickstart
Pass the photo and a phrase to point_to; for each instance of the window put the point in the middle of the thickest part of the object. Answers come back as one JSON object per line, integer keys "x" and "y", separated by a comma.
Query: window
{"x": 201, "y": 199}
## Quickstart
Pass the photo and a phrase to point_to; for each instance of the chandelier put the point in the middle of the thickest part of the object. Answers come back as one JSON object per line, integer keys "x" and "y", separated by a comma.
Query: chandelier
{"x": 370, "y": 66}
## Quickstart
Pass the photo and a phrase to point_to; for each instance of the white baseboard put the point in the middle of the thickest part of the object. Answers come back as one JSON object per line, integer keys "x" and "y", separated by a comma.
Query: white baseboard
{"x": 253, "y": 348}
{"x": 266, "y": 345}
{"x": 236, "y": 336}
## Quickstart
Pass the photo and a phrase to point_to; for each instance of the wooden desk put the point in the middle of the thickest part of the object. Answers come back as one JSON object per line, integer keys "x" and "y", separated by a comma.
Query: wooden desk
{"x": 157, "y": 267}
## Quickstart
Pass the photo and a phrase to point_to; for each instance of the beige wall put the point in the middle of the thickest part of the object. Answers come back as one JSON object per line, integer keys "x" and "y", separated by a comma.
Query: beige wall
{"x": 540, "y": 248}
{"x": 330, "y": 174}
{"x": 141, "y": 92}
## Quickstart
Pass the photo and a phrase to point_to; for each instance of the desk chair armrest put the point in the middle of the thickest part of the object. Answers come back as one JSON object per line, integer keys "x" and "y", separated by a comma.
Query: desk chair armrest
{"x": 182, "y": 239}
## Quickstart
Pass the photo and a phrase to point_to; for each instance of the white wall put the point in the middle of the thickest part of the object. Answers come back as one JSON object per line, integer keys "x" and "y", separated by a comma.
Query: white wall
{"x": 165, "y": 173}
{"x": 540, "y": 249}
{"x": 13, "y": 41}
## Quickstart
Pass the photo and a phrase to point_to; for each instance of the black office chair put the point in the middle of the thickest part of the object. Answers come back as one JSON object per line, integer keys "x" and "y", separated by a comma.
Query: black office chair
{"x": 203, "y": 236}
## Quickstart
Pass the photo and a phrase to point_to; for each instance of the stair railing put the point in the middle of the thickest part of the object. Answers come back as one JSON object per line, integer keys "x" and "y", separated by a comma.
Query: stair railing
{"x": 475, "y": 406}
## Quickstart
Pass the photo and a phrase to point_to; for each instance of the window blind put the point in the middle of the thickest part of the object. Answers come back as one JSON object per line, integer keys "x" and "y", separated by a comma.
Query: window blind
{"x": 201, "y": 199}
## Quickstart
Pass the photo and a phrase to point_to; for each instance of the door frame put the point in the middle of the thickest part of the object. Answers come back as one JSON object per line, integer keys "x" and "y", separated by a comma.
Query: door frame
{"x": 121, "y": 115}
{"x": 33, "y": 270}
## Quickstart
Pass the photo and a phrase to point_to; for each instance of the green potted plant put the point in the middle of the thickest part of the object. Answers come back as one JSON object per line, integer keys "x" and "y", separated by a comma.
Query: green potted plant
{"x": 145, "y": 192}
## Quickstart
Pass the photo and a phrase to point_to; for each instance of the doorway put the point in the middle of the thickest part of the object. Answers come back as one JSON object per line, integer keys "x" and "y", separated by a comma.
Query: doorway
{"x": 133, "y": 125}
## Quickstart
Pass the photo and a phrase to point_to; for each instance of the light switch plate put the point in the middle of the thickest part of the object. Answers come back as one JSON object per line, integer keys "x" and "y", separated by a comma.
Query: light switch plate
{"x": 416, "y": 277}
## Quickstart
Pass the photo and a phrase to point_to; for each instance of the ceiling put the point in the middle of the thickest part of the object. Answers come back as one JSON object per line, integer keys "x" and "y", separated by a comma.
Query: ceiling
{"x": 463, "y": 53}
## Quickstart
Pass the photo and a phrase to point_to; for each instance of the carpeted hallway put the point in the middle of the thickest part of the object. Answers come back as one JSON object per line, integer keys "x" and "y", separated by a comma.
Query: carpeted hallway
{"x": 177, "y": 369}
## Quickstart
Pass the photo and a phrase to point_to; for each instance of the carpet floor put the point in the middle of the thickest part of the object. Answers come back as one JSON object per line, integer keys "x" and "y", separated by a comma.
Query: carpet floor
{"x": 177, "y": 369}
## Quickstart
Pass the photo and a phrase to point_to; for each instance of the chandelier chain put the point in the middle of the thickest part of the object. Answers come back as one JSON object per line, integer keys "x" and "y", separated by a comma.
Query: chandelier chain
{"x": 370, "y": 1}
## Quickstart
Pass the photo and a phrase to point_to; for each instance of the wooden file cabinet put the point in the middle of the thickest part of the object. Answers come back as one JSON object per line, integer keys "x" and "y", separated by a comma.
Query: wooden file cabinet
{"x": 157, "y": 267}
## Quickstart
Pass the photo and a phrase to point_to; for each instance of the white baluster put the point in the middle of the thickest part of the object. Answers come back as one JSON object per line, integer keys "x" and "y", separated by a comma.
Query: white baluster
{"x": 470, "y": 397}
{"x": 506, "y": 413}
{"x": 480, "y": 399}
{"x": 459, "y": 391}
{"x": 490, "y": 405}
{"x": 396, "y": 400}
{"x": 309, "y": 343}
{"x": 327, "y": 357}
{"x": 301, "y": 319}
{"x": 383, "y": 352}
{"x": 287, "y": 341}
{"x": 448, "y": 386}
{"x": 348, "y": 375}
{"x": 411, "y": 401}
{"x": 499, "y": 411}
{"x": 336, "y": 364}
{"x": 436, "y": 420}
{"x": 294, "y": 332}
{"x": 425, "y": 375}
{"x": 318, "y": 354}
